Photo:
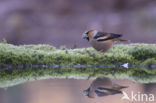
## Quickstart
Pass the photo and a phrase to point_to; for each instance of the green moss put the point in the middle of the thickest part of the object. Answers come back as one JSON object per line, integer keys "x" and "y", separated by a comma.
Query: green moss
{"x": 150, "y": 61}
{"x": 28, "y": 55}
{"x": 143, "y": 76}
{"x": 15, "y": 76}
{"x": 45, "y": 54}
{"x": 143, "y": 51}
{"x": 39, "y": 47}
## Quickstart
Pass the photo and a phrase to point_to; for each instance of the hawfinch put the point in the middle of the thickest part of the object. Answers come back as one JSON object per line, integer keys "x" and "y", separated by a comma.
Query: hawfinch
{"x": 101, "y": 41}
{"x": 102, "y": 86}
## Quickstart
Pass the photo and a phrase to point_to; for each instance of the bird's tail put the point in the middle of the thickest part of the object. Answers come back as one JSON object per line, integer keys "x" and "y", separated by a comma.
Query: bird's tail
{"x": 119, "y": 39}
{"x": 121, "y": 87}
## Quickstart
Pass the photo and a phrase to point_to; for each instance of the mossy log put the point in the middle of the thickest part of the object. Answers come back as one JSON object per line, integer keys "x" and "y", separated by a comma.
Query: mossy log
{"x": 28, "y": 62}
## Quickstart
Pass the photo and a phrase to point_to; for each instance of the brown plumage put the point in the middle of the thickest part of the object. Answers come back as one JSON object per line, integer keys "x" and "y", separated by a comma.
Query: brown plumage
{"x": 101, "y": 41}
{"x": 103, "y": 86}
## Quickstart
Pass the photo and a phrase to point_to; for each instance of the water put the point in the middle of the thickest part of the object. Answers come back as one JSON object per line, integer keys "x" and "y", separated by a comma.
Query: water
{"x": 65, "y": 91}
{"x": 11, "y": 75}
{"x": 40, "y": 84}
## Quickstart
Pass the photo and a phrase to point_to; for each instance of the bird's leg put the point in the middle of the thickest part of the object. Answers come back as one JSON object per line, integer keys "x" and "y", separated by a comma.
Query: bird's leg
{"x": 90, "y": 54}
{"x": 100, "y": 51}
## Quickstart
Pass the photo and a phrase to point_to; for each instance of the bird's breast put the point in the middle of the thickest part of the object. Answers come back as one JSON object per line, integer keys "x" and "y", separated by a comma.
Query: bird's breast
{"x": 101, "y": 45}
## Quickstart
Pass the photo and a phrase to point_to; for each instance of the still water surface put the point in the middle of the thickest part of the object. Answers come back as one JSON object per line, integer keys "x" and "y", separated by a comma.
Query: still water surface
{"x": 70, "y": 91}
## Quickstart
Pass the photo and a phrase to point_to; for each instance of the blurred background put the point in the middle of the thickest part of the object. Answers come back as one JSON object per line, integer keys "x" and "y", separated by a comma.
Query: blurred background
{"x": 61, "y": 22}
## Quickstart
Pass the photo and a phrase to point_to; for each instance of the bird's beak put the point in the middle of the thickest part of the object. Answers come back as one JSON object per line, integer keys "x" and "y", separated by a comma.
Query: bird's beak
{"x": 85, "y": 92}
{"x": 85, "y": 36}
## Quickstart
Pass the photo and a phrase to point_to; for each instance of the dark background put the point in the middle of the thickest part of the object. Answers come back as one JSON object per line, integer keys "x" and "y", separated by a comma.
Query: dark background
{"x": 61, "y": 22}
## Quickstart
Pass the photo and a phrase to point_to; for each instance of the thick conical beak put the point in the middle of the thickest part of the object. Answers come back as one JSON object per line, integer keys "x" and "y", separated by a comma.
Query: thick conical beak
{"x": 85, "y": 92}
{"x": 85, "y": 36}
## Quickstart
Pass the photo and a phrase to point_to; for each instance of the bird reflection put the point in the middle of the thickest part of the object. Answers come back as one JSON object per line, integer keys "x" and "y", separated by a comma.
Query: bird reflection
{"x": 103, "y": 86}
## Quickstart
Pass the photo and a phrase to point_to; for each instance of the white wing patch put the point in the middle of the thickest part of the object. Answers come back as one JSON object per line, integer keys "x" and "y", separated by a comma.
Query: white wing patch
{"x": 101, "y": 38}
{"x": 94, "y": 33}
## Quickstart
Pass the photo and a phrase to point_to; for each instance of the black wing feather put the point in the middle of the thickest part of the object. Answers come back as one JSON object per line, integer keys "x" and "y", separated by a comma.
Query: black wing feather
{"x": 110, "y": 36}
{"x": 112, "y": 91}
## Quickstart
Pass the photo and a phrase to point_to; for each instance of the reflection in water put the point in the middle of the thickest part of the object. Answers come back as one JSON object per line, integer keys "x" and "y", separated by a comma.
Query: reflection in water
{"x": 63, "y": 91}
{"x": 13, "y": 76}
{"x": 70, "y": 90}
{"x": 150, "y": 88}
{"x": 103, "y": 86}
{"x": 3, "y": 96}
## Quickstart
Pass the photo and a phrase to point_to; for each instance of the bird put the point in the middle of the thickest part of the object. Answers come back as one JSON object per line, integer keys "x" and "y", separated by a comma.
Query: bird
{"x": 103, "y": 86}
{"x": 101, "y": 41}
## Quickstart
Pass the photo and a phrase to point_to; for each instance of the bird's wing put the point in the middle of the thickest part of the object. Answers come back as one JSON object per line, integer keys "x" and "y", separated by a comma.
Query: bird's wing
{"x": 102, "y": 82}
{"x": 100, "y": 92}
{"x": 100, "y": 36}
{"x": 118, "y": 87}
{"x": 105, "y": 91}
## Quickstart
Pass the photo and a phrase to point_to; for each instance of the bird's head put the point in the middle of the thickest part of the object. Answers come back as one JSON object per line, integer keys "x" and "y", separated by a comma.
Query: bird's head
{"x": 86, "y": 92}
{"x": 89, "y": 34}
{"x": 90, "y": 93}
